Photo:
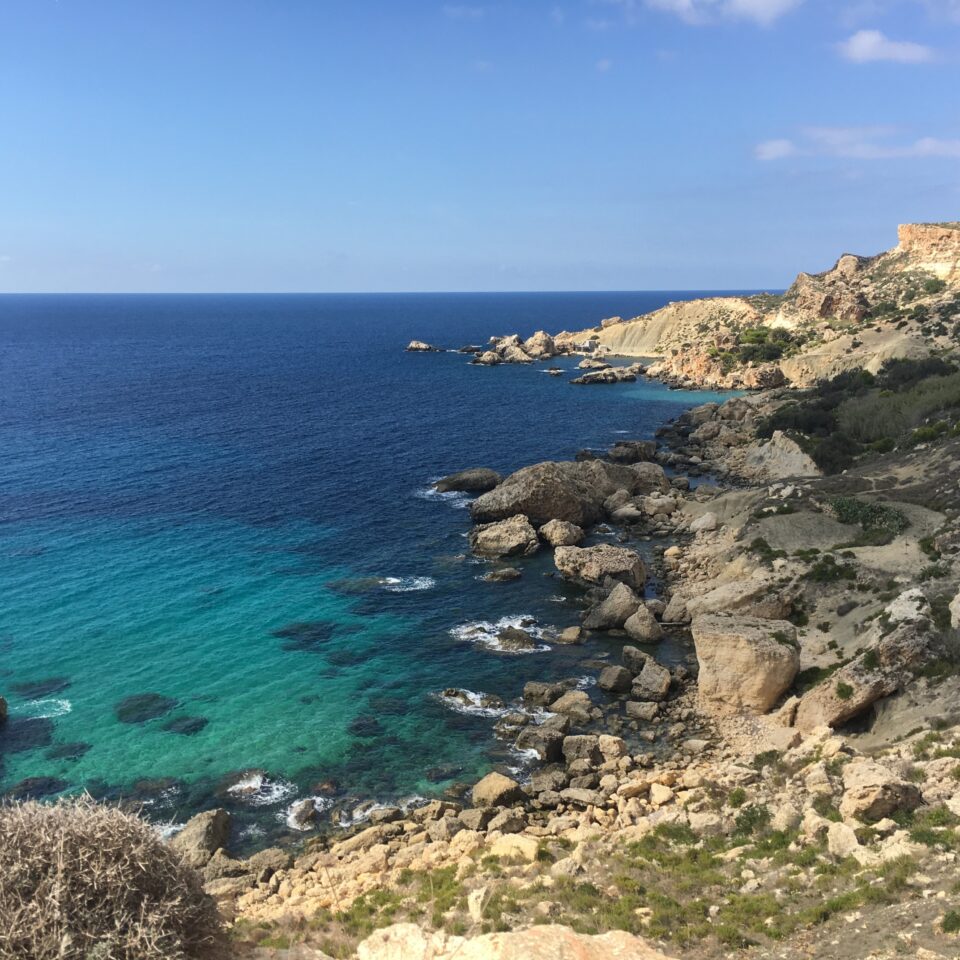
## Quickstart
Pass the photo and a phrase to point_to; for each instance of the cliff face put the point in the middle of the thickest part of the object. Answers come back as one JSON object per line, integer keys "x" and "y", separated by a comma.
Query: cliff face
{"x": 934, "y": 247}
{"x": 861, "y": 312}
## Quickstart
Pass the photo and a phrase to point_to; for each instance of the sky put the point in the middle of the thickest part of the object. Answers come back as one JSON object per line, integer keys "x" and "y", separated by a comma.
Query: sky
{"x": 395, "y": 145}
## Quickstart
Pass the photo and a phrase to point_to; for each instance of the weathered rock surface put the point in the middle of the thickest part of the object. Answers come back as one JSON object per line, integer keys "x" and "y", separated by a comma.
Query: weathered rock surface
{"x": 202, "y": 836}
{"x": 505, "y": 538}
{"x": 418, "y": 346}
{"x": 642, "y": 626}
{"x": 871, "y": 791}
{"x": 611, "y": 613}
{"x": 596, "y": 564}
{"x": 746, "y": 664}
{"x": 560, "y": 533}
{"x": 474, "y": 480}
{"x": 496, "y": 790}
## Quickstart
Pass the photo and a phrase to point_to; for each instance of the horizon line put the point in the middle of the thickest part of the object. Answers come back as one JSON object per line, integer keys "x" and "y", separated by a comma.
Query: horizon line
{"x": 369, "y": 293}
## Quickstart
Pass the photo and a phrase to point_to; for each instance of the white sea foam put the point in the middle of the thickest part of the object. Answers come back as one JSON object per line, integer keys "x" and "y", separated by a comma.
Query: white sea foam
{"x": 485, "y": 633}
{"x": 453, "y": 498}
{"x": 286, "y": 815}
{"x": 362, "y": 812}
{"x": 474, "y": 704}
{"x": 168, "y": 830}
{"x": 252, "y": 831}
{"x": 260, "y": 791}
{"x": 584, "y": 683}
{"x": 526, "y": 760}
{"x": 407, "y": 584}
{"x": 45, "y": 709}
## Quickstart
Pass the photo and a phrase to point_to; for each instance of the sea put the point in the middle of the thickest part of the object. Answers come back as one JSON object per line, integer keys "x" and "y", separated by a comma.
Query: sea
{"x": 225, "y": 578}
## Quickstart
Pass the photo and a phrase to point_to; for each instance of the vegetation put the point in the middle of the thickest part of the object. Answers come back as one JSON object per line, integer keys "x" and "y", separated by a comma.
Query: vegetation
{"x": 756, "y": 345}
{"x": 80, "y": 881}
{"x": 856, "y": 413}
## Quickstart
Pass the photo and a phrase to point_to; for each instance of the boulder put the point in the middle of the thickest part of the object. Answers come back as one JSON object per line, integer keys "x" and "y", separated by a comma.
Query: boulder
{"x": 515, "y": 640}
{"x": 650, "y": 478}
{"x": 542, "y": 694}
{"x": 705, "y": 523}
{"x": 502, "y": 575}
{"x": 639, "y": 710}
{"x": 515, "y": 354}
{"x": 505, "y": 538}
{"x": 642, "y": 626}
{"x": 615, "y": 679}
{"x": 496, "y": 790}
{"x": 546, "y": 741}
{"x": 540, "y": 346}
{"x": 569, "y": 636}
{"x": 489, "y": 358}
{"x": 746, "y": 664}
{"x": 595, "y": 564}
{"x": 574, "y": 704}
{"x": 842, "y": 696}
{"x": 586, "y": 747}
{"x": 555, "y": 491}
{"x": 202, "y": 836}
{"x": 955, "y": 612}
{"x": 560, "y": 533}
{"x": 871, "y": 791}
{"x": 653, "y": 682}
{"x": 634, "y": 659}
{"x": 474, "y": 480}
{"x": 633, "y": 451}
{"x": 418, "y": 346}
{"x": 611, "y": 613}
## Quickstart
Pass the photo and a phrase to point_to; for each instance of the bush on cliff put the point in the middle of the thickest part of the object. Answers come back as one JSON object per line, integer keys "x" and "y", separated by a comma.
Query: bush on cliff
{"x": 80, "y": 881}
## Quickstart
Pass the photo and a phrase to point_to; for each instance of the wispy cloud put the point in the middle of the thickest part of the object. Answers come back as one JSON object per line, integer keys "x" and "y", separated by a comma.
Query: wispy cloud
{"x": 461, "y": 11}
{"x": 698, "y": 12}
{"x": 5, "y": 258}
{"x": 857, "y": 143}
{"x": 869, "y": 46}
{"x": 604, "y": 65}
{"x": 774, "y": 149}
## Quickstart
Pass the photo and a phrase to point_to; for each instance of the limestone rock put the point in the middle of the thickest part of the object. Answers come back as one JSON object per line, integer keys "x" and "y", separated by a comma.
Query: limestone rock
{"x": 574, "y": 704}
{"x": 871, "y": 791}
{"x": 540, "y": 346}
{"x": 842, "y": 696}
{"x": 642, "y": 626}
{"x": 704, "y": 523}
{"x": 955, "y": 612}
{"x": 202, "y": 836}
{"x": 613, "y": 612}
{"x": 418, "y": 346}
{"x": 505, "y": 538}
{"x": 746, "y": 664}
{"x": 560, "y": 533}
{"x": 596, "y": 564}
{"x": 777, "y": 459}
{"x": 474, "y": 480}
{"x": 496, "y": 790}
{"x": 653, "y": 683}
{"x": 615, "y": 679}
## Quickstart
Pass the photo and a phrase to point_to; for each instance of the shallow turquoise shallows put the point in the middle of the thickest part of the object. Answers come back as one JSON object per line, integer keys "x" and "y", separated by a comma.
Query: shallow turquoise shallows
{"x": 224, "y": 578}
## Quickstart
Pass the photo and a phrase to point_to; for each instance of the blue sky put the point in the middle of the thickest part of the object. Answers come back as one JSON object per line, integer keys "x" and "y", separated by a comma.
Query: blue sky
{"x": 274, "y": 145}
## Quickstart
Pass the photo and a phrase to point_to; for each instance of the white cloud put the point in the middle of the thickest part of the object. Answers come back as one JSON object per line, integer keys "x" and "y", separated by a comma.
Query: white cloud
{"x": 763, "y": 12}
{"x": 775, "y": 149}
{"x": 460, "y": 11}
{"x": 604, "y": 65}
{"x": 858, "y": 143}
{"x": 867, "y": 46}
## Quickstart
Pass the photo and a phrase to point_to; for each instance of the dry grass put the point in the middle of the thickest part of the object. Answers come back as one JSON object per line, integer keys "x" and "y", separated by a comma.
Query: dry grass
{"x": 80, "y": 881}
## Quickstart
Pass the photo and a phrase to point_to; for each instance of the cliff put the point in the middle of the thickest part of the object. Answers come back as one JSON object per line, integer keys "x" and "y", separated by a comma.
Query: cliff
{"x": 904, "y": 302}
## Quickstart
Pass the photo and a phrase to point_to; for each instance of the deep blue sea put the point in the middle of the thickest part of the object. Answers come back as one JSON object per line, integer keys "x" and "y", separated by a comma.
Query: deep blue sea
{"x": 223, "y": 502}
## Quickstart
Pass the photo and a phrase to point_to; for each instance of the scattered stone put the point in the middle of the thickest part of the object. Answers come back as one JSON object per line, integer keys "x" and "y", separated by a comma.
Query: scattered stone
{"x": 871, "y": 791}
{"x": 560, "y": 533}
{"x": 496, "y": 790}
{"x": 611, "y": 613}
{"x": 615, "y": 679}
{"x": 505, "y": 538}
{"x": 642, "y": 626}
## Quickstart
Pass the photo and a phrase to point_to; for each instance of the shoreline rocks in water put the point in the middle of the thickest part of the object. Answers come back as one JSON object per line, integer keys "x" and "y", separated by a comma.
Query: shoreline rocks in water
{"x": 473, "y": 480}
{"x": 418, "y": 346}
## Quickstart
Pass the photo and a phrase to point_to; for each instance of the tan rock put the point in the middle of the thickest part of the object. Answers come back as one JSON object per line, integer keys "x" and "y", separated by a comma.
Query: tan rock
{"x": 514, "y": 536}
{"x": 560, "y": 533}
{"x": 407, "y": 941}
{"x": 596, "y": 564}
{"x": 496, "y": 790}
{"x": 871, "y": 791}
{"x": 515, "y": 845}
{"x": 746, "y": 664}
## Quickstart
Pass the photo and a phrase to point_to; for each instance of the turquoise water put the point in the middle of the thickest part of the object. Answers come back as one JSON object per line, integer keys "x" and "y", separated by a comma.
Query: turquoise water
{"x": 224, "y": 502}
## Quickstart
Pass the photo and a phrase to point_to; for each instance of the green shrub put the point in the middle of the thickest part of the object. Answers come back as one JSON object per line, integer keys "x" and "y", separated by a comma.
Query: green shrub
{"x": 843, "y": 690}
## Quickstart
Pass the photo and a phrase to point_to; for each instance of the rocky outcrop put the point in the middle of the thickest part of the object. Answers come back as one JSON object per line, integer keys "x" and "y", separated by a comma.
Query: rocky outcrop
{"x": 574, "y": 492}
{"x": 474, "y": 480}
{"x": 614, "y": 611}
{"x": 600, "y": 564}
{"x": 407, "y": 941}
{"x": 418, "y": 346}
{"x": 540, "y": 346}
{"x": 777, "y": 459}
{"x": 610, "y": 375}
{"x": 934, "y": 247}
{"x": 496, "y": 790}
{"x": 560, "y": 533}
{"x": 871, "y": 791}
{"x": 202, "y": 836}
{"x": 746, "y": 664}
{"x": 505, "y": 538}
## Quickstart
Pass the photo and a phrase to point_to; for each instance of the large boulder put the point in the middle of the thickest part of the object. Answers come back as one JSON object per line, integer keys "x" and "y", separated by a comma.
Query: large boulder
{"x": 505, "y": 538}
{"x": 633, "y": 451}
{"x": 560, "y": 533}
{"x": 474, "y": 480}
{"x": 652, "y": 683}
{"x": 871, "y": 791}
{"x": 642, "y": 626}
{"x": 540, "y": 346}
{"x": 594, "y": 565}
{"x": 555, "y": 491}
{"x": 574, "y": 704}
{"x": 611, "y": 613}
{"x": 649, "y": 478}
{"x": 842, "y": 696}
{"x": 418, "y": 346}
{"x": 746, "y": 663}
{"x": 496, "y": 790}
{"x": 202, "y": 836}
{"x": 408, "y": 941}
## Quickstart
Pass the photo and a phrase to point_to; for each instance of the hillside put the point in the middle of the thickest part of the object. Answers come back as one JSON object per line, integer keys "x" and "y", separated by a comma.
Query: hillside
{"x": 861, "y": 312}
